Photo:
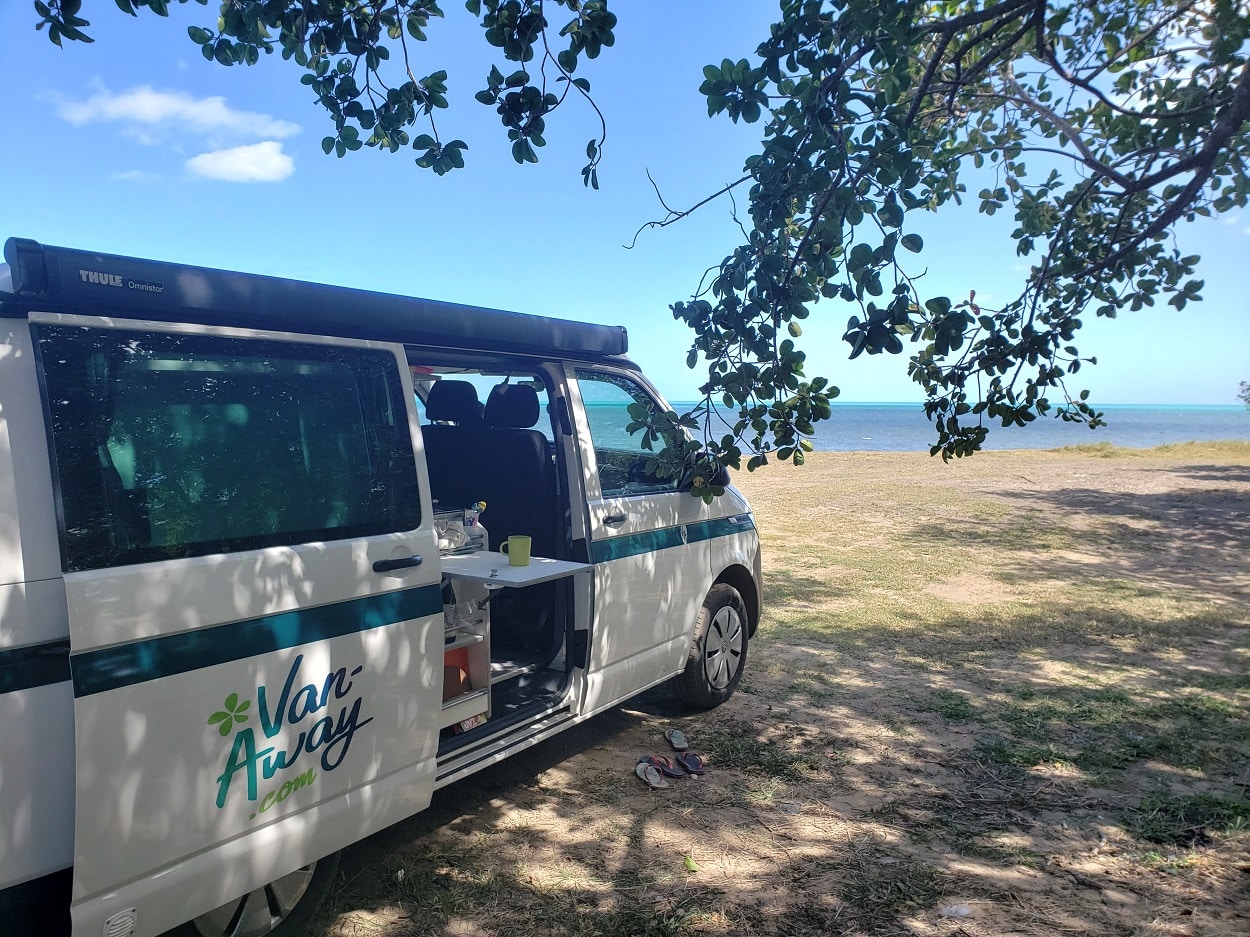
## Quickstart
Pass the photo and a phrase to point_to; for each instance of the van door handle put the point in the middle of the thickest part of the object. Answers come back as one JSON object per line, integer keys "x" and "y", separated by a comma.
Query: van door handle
{"x": 403, "y": 562}
{"x": 614, "y": 520}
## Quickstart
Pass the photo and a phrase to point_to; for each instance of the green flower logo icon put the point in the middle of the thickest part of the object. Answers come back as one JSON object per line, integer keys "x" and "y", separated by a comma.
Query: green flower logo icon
{"x": 235, "y": 713}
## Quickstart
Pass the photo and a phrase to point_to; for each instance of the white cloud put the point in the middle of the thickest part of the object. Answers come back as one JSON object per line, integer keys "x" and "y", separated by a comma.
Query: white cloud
{"x": 134, "y": 175}
{"x": 147, "y": 113}
{"x": 256, "y": 162}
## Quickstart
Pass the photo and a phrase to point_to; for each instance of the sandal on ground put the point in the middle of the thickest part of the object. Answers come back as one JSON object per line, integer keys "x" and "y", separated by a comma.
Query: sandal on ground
{"x": 677, "y": 739}
{"x": 650, "y": 775}
{"x": 691, "y": 763}
{"x": 664, "y": 765}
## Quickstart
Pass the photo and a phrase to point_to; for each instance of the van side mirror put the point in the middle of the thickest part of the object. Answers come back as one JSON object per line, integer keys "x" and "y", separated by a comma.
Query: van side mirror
{"x": 719, "y": 478}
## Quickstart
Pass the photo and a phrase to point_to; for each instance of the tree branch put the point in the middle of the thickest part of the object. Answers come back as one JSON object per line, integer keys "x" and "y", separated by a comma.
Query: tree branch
{"x": 1088, "y": 158}
{"x": 675, "y": 216}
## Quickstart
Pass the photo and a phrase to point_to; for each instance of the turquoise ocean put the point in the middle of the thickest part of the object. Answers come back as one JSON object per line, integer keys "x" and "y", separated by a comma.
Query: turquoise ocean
{"x": 902, "y": 427}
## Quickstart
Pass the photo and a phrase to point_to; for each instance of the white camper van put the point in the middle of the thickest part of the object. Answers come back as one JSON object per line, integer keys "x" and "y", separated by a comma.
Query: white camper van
{"x": 252, "y": 602}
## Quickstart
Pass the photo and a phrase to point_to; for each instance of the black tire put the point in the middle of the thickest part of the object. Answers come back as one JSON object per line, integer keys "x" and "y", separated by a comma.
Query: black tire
{"x": 718, "y": 653}
{"x": 288, "y": 904}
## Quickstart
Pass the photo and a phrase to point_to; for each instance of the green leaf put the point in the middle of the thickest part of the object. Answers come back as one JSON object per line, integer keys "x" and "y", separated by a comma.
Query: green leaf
{"x": 913, "y": 243}
{"x": 861, "y": 257}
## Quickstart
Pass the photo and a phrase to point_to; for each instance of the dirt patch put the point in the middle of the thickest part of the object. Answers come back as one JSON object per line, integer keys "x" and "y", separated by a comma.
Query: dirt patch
{"x": 1007, "y": 696}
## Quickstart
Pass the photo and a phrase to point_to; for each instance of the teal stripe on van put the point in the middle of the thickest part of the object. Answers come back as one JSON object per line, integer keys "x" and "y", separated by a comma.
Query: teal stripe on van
{"x": 138, "y": 662}
{"x": 721, "y": 527}
{"x": 617, "y": 548}
{"x": 24, "y": 668}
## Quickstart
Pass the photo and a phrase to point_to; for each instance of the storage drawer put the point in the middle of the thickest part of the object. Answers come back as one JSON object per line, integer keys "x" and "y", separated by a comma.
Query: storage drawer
{"x": 465, "y": 706}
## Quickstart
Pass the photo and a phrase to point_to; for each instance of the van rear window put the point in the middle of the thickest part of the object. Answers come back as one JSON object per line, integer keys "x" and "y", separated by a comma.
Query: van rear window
{"x": 171, "y": 446}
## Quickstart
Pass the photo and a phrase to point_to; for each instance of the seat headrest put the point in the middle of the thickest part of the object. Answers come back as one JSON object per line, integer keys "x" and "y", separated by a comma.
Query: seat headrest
{"x": 453, "y": 402}
{"x": 512, "y": 406}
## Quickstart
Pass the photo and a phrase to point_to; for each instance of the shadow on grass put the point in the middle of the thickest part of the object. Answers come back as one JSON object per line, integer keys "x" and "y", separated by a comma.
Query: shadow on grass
{"x": 786, "y": 589}
{"x": 966, "y": 636}
{"x": 1228, "y": 474}
{"x": 1198, "y": 536}
{"x": 461, "y": 874}
{"x": 888, "y": 836}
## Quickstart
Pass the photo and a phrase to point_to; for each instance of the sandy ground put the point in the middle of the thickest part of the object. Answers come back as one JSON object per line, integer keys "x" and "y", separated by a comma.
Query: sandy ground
{"x": 855, "y": 786}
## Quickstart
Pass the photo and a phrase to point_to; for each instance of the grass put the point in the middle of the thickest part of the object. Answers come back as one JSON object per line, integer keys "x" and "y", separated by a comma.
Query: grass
{"x": 953, "y": 705}
{"x": 1185, "y": 820}
{"x": 1021, "y": 684}
{"x": 878, "y": 884}
{"x": 1233, "y": 449}
{"x": 736, "y": 747}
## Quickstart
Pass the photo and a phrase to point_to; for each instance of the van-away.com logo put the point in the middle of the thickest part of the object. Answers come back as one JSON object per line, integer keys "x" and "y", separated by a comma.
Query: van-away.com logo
{"x": 327, "y": 714}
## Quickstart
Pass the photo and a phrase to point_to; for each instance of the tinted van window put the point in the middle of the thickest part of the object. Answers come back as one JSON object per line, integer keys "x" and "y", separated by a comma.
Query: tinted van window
{"x": 177, "y": 445}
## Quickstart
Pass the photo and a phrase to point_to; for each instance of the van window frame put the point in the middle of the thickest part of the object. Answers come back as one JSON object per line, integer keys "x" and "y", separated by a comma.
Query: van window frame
{"x": 392, "y": 447}
{"x": 582, "y": 373}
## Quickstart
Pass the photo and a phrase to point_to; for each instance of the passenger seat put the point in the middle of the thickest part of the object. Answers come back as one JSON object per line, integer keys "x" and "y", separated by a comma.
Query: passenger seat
{"x": 519, "y": 476}
{"x": 454, "y": 444}
{"x": 520, "y": 481}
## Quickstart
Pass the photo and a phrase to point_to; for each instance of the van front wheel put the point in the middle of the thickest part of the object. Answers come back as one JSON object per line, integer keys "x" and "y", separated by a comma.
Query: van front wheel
{"x": 718, "y": 653}
{"x": 282, "y": 908}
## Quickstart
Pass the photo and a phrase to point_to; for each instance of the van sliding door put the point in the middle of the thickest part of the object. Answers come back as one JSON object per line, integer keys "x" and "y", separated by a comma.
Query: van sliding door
{"x": 256, "y": 650}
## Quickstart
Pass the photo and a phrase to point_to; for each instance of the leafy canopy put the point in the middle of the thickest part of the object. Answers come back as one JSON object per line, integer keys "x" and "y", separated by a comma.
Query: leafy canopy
{"x": 345, "y": 48}
{"x": 1098, "y": 127}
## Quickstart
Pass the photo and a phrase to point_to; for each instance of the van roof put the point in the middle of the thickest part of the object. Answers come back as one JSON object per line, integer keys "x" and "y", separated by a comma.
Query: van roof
{"x": 61, "y": 279}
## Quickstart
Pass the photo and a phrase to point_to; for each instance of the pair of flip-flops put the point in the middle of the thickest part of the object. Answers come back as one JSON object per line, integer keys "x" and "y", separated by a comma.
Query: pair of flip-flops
{"x": 654, "y": 770}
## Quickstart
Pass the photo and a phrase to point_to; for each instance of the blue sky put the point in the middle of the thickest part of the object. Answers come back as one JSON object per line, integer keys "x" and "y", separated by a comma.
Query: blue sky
{"x": 137, "y": 145}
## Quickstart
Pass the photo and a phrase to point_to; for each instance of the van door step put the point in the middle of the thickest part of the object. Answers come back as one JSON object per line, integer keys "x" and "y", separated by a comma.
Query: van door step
{"x": 501, "y": 670}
